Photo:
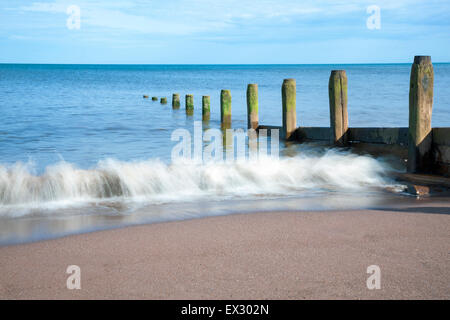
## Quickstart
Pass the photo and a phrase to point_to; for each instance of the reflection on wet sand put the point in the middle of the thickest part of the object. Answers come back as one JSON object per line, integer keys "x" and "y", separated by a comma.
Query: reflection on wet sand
{"x": 112, "y": 215}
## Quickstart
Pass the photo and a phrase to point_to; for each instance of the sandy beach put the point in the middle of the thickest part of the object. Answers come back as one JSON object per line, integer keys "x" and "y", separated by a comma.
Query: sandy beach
{"x": 277, "y": 255}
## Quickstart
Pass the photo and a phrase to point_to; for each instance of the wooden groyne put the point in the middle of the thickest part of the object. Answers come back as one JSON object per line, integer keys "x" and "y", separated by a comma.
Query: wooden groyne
{"x": 426, "y": 149}
{"x": 225, "y": 108}
{"x": 420, "y": 108}
{"x": 189, "y": 104}
{"x": 252, "y": 106}
{"x": 288, "y": 98}
{"x": 176, "y": 101}
{"x": 206, "y": 108}
{"x": 337, "y": 91}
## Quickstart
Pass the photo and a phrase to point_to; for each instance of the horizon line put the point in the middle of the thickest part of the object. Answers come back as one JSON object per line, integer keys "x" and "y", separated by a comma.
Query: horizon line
{"x": 209, "y": 64}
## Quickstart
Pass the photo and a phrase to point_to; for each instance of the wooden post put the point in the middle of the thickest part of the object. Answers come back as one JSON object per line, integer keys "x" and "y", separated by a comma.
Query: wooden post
{"x": 154, "y": 98}
{"x": 288, "y": 94}
{"x": 176, "y": 101}
{"x": 225, "y": 108}
{"x": 420, "y": 109}
{"x": 337, "y": 91}
{"x": 163, "y": 100}
{"x": 252, "y": 106}
{"x": 206, "y": 108}
{"x": 189, "y": 104}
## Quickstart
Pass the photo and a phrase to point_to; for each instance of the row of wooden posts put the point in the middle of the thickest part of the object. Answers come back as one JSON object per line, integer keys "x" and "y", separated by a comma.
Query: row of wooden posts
{"x": 289, "y": 106}
{"x": 225, "y": 105}
{"x": 420, "y": 108}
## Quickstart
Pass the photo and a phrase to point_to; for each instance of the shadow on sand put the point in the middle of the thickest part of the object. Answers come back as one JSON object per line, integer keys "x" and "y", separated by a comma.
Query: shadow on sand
{"x": 430, "y": 210}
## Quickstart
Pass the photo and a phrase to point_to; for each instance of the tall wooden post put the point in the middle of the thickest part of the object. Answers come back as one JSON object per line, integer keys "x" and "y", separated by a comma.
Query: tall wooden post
{"x": 189, "y": 104}
{"x": 225, "y": 108}
{"x": 420, "y": 109}
{"x": 176, "y": 101}
{"x": 206, "y": 108}
{"x": 337, "y": 90}
{"x": 252, "y": 106}
{"x": 288, "y": 94}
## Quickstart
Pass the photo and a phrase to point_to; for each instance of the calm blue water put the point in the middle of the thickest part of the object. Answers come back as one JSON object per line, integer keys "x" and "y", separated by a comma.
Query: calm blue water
{"x": 85, "y": 113}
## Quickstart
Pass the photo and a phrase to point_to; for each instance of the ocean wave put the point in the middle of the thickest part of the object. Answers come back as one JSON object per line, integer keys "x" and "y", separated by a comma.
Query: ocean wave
{"x": 153, "y": 181}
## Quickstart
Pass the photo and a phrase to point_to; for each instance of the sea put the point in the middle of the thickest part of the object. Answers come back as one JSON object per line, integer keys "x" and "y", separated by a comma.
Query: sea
{"x": 82, "y": 150}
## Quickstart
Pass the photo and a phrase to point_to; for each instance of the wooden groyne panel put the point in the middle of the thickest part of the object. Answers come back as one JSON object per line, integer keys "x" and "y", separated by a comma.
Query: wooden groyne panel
{"x": 441, "y": 150}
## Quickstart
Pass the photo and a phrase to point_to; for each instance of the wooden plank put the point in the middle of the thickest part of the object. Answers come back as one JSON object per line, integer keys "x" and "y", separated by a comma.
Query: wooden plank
{"x": 337, "y": 90}
{"x": 441, "y": 136}
{"x": 289, "y": 101}
{"x": 379, "y": 135}
{"x": 420, "y": 109}
{"x": 422, "y": 179}
{"x": 313, "y": 133}
{"x": 442, "y": 153}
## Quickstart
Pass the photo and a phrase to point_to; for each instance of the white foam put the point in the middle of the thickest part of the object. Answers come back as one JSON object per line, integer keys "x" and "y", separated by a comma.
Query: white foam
{"x": 64, "y": 185}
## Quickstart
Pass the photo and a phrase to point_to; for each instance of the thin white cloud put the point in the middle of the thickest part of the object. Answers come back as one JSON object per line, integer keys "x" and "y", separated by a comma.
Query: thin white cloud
{"x": 216, "y": 18}
{"x": 185, "y": 16}
{"x": 49, "y": 7}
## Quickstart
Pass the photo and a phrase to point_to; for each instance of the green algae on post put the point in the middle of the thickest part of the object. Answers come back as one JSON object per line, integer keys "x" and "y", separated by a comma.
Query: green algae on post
{"x": 206, "y": 108}
{"x": 163, "y": 100}
{"x": 288, "y": 94}
{"x": 252, "y": 106}
{"x": 189, "y": 104}
{"x": 225, "y": 107}
{"x": 176, "y": 101}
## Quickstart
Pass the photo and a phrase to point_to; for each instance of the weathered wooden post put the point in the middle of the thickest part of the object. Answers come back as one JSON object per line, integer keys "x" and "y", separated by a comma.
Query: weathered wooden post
{"x": 145, "y": 96}
{"x": 176, "y": 101}
{"x": 337, "y": 91}
{"x": 225, "y": 108}
{"x": 163, "y": 100}
{"x": 154, "y": 98}
{"x": 420, "y": 109}
{"x": 206, "y": 108}
{"x": 288, "y": 94}
{"x": 252, "y": 106}
{"x": 189, "y": 104}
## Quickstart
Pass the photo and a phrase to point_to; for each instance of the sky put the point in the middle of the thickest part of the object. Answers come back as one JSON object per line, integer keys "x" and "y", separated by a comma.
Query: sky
{"x": 223, "y": 31}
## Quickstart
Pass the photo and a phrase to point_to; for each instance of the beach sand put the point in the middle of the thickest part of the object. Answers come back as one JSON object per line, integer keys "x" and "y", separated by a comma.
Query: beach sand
{"x": 277, "y": 255}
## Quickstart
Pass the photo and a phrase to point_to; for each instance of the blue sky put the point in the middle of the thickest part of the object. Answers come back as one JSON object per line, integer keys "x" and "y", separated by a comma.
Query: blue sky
{"x": 223, "y": 31}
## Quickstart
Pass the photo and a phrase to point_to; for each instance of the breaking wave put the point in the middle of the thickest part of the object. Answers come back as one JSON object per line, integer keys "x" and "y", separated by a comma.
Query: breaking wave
{"x": 153, "y": 181}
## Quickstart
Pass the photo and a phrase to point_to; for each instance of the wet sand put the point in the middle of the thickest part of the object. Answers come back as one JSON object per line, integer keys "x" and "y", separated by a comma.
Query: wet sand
{"x": 276, "y": 255}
